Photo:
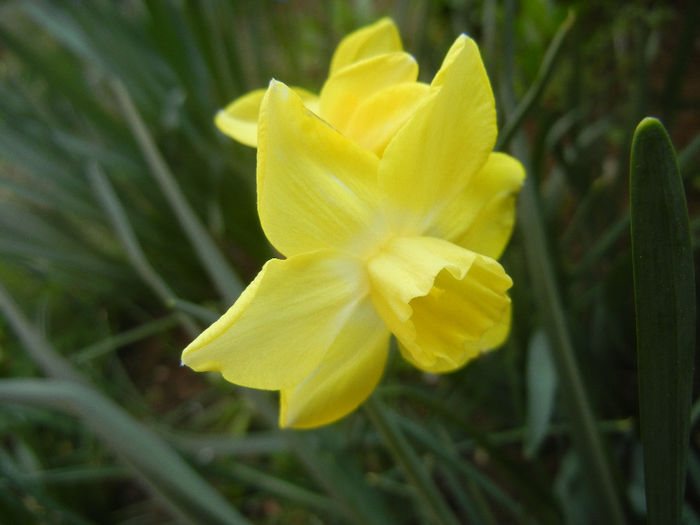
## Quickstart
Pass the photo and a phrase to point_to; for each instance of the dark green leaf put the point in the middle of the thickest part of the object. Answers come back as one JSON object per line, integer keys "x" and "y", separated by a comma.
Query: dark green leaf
{"x": 664, "y": 286}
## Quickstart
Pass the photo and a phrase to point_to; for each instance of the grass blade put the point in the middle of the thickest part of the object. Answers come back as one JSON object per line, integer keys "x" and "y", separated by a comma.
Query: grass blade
{"x": 584, "y": 430}
{"x": 39, "y": 350}
{"x": 119, "y": 220}
{"x": 184, "y": 492}
{"x": 161, "y": 468}
{"x": 219, "y": 270}
{"x": 269, "y": 484}
{"x": 110, "y": 344}
{"x": 407, "y": 459}
{"x": 337, "y": 476}
{"x": 517, "y": 117}
{"x": 664, "y": 286}
{"x": 452, "y": 457}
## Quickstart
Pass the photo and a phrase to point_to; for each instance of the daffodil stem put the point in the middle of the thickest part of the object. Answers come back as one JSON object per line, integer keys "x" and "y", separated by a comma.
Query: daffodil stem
{"x": 408, "y": 461}
{"x": 584, "y": 429}
{"x": 584, "y": 432}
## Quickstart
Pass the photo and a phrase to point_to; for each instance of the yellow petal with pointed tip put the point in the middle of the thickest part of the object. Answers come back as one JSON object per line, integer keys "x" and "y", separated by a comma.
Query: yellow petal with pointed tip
{"x": 316, "y": 188}
{"x": 377, "y": 119}
{"x": 447, "y": 63}
{"x": 283, "y": 324}
{"x": 446, "y": 141}
{"x": 375, "y": 39}
{"x": 437, "y": 298}
{"x": 345, "y": 90}
{"x": 348, "y": 374}
{"x": 239, "y": 120}
{"x": 481, "y": 216}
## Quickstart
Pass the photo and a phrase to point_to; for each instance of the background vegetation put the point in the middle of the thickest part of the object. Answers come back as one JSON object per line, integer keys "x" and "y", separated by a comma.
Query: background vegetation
{"x": 128, "y": 222}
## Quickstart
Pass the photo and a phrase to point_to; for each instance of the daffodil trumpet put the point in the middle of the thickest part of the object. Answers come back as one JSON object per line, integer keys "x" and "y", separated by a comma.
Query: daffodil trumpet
{"x": 401, "y": 239}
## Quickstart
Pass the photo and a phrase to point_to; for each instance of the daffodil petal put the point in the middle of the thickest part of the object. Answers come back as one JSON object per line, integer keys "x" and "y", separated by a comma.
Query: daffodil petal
{"x": 379, "y": 117}
{"x": 437, "y": 298}
{"x": 346, "y": 376}
{"x": 446, "y": 141}
{"x": 283, "y": 324}
{"x": 375, "y": 39}
{"x": 346, "y": 89}
{"x": 481, "y": 216}
{"x": 239, "y": 120}
{"x": 492, "y": 338}
{"x": 450, "y": 57}
{"x": 316, "y": 188}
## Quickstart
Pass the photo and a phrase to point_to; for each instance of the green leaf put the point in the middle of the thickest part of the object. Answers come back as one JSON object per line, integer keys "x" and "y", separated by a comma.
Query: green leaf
{"x": 599, "y": 476}
{"x": 127, "y": 236}
{"x": 534, "y": 92}
{"x": 157, "y": 464}
{"x": 407, "y": 458}
{"x": 664, "y": 287}
{"x": 541, "y": 390}
{"x": 209, "y": 254}
{"x": 160, "y": 468}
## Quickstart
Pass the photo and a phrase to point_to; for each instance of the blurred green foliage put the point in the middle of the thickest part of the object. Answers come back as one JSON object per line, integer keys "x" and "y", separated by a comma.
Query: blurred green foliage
{"x": 495, "y": 436}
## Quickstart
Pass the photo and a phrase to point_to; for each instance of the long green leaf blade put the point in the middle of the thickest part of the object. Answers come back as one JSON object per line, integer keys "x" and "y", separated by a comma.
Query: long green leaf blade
{"x": 664, "y": 286}
{"x": 152, "y": 458}
{"x": 211, "y": 257}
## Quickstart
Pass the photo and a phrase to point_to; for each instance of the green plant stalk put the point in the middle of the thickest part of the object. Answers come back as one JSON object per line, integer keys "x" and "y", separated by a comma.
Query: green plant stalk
{"x": 180, "y": 488}
{"x": 284, "y": 489}
{"x": 14, "y": 483}
{"x": 475, "y": 506}
{"x": 48, "y": 360}
{"x": 221, "y": 58}
{"x": 120, "y": 222}
{"x": 75, "y": 475}
{"x": 222, "y": 275}
{"x": 111, "y": 343}
{"x": 664, "y": 289}
{"x": 355, "y": 507}
{"x": 473, "y": 474}
{"x": 246, "y": 445}
{"x": 583, "y": 424}
{"x": 163, "y": 470}
{"x": 194, "y": 310}
{"x": 471, "y": 503}
{"x": 584, "y": 431}
{"x": 407, "y": 459}
{"x": 602, "y": 245}
{"x": 517, "y": 117}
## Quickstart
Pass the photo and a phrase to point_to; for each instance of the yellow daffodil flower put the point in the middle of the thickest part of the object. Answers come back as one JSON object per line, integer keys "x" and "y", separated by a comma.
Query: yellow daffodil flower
{"x": 403, "y": 243}
{"x": 370, "y": 92}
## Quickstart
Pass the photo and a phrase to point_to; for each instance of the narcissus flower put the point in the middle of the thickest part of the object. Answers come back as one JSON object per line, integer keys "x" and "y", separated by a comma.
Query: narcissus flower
{"x": 403, "y": 243}
{"x": 370, "y": 92}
